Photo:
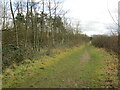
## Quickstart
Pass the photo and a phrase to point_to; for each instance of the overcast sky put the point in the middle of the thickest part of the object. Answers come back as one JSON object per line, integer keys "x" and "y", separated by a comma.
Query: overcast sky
{"x": 93, "y": 14}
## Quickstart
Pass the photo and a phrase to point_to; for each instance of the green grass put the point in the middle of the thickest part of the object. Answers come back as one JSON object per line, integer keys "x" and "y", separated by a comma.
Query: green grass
{"x": 63, "y": 70}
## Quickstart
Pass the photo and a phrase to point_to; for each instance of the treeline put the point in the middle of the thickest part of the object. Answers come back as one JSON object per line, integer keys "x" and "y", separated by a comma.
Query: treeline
{"x": 110, "y": 43}
{"x": 32, "y": 27}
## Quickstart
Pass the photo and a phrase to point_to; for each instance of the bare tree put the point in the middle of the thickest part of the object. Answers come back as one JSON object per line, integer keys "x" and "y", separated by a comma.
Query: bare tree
{"x": 15, "y": 27}
{"x": 119, "y": 30}
{"x": 26, "y": 23}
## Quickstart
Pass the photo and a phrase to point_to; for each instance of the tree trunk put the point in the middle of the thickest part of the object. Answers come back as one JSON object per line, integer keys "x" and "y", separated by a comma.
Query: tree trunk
{"x": 15, "y": 28}
{"x": 32, "y": 27}
{"x": 26, "y": 25}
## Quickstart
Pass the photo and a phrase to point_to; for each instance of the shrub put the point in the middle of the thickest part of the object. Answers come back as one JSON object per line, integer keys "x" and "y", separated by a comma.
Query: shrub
{"x": 110, "y": 43}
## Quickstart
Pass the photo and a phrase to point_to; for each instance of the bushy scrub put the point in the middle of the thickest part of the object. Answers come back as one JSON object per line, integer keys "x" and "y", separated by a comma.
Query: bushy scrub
{"x": 110, "y": 43}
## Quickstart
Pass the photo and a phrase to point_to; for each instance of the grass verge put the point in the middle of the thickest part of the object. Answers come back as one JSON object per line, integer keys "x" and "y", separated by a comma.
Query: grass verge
{"x": 64, "y": 70}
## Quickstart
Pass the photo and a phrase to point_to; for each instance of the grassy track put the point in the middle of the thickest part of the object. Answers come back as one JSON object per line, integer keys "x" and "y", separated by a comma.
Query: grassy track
{"x": 79, "y": 67}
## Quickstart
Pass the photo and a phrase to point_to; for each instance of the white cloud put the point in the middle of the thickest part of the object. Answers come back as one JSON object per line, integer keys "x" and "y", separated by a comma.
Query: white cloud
{"x": 89, "y": 11}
